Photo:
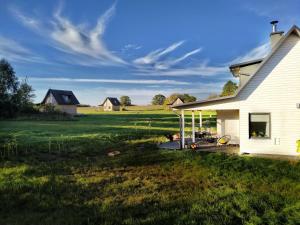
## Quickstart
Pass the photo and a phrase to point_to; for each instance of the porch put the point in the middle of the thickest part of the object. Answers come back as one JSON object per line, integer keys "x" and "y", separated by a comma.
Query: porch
{"x": 227, "y": 126}
{"x": 208, "y": 147}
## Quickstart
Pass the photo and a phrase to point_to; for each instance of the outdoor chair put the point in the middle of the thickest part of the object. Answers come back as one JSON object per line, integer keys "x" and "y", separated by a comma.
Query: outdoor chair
{"x": 224, "y": 140}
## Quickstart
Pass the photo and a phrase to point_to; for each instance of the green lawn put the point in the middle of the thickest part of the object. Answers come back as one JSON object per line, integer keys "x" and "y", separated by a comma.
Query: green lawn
{"x": 58, "y": 172}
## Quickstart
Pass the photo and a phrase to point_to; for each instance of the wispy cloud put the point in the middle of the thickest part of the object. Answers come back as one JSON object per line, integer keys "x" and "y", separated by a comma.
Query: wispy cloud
{"x": 202, "y": 69}
{"x": 24, "y": 19}
{"x": 129, "y": 47}
{"x": 157, "y": 64}
{"x": 117, "y": 81}
{"x": 256, "y": 53}
{"x": 74, "y": 39}
{"x": 85, "y": 45}
{"x": 154, "y": 56}
{"x": 14, "y": 51}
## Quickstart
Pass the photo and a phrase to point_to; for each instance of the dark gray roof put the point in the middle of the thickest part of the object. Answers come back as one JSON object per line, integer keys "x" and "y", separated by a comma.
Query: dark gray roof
{"x": 58, "y": 95}
{"x": 248, "y": 63}
{"x": 114, "y": 101}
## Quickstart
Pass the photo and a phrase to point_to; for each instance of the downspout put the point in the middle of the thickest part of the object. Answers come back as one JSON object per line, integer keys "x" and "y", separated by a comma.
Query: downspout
{"x": 180, "y": 128}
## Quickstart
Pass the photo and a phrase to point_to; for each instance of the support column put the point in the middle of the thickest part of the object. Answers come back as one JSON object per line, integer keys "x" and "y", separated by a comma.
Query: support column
{"x": 200, "y": 120}
{"x": 193, "y": 127}
{"x": 182, "y": 129}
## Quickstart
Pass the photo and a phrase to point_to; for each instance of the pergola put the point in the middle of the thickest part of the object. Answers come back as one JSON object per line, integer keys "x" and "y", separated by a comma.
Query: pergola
{"x": 182, "y": 126}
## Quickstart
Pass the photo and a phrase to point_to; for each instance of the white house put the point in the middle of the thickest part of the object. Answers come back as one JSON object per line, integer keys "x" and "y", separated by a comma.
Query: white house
{"x": 64, "y": 101}
{"x": 263, "y": 116}
{"x": 111, "y": 104}
{"x": 177, "y": 101}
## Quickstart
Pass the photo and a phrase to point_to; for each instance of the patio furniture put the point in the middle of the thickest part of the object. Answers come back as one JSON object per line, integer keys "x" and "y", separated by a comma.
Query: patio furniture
{"x": 224, "y": 140}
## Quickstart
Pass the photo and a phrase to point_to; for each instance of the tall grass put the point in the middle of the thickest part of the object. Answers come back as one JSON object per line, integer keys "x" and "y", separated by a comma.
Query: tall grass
{"x": 61, "y": 174}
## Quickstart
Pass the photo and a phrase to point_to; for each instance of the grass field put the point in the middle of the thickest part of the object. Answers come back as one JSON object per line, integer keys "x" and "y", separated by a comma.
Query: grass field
{"x": 58, "y": 172}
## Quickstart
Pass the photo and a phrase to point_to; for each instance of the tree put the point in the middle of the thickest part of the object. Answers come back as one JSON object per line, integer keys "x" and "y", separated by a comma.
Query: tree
{"x": 25, "y": 97}
{"x": 188, "y": 98}
{"x": 8, "y": 88}
{"x": 172, "y": 98}
{"x": 14, "y": 97}
{"x": 229, "y": 88}
{"x": 125, "y": 101}
{"x": 158, "y": 99}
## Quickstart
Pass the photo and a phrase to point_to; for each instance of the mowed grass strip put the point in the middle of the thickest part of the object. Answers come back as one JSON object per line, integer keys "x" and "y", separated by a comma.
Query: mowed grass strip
{"x": 74, "y": 181}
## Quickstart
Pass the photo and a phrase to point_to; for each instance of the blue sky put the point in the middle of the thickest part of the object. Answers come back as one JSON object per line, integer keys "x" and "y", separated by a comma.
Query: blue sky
{"x": 133, "y": 47}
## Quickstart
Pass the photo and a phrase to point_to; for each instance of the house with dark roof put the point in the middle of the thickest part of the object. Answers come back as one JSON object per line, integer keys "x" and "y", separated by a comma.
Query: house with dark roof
{"x": 111, "y": 104}
{"x": 63, "y": 100}
{"x": 263, "y": 116}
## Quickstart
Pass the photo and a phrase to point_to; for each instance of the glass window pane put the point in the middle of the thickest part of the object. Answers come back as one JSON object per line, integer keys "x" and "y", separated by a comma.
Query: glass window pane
{"x": 259, "y": 125}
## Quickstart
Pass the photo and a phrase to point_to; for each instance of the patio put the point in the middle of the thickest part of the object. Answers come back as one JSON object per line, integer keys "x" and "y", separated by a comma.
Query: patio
{"x": 207, "y": 147}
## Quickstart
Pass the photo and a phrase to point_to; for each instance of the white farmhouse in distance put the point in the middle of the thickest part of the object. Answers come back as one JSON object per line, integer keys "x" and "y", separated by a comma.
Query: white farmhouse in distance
{"x": 111, "y": 104}
{"x": 263, "y": 116}
{"x": 64, "y": 101}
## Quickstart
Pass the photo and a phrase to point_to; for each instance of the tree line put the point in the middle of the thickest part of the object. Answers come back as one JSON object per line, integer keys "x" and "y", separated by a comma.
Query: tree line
{"x": 15, "y": 96}
{"x": 229, "y": 88}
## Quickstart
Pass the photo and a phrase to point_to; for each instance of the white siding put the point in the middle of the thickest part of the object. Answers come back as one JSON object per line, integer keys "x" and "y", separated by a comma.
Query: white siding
{"x": 227, "y": 104}
{"x": 69, "y": 109}
{"x": 177, "y": 102}
{"x": 108, "y": 106}
{"x": 51, "y": 100}
{"x": 228, "y": 124}
{"x": 274, "y": 89}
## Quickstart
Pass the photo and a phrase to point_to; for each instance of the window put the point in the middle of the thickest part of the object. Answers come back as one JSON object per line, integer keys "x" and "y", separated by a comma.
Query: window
{"x": 66, "y": 98}
{"x": 259, "y": 125}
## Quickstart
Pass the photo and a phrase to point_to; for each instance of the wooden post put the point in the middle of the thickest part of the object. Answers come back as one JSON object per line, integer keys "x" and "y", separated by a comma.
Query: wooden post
{"x": 200, "y": 120}
{"x": 193, "y": 127}
{"x": 182, "y": 129}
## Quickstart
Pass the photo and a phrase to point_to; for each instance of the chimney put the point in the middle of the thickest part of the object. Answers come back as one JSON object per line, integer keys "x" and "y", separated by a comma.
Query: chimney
{"x": 275, "y": 36}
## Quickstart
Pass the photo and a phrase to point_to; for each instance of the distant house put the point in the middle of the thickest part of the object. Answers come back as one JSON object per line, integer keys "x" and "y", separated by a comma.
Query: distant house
{"x": 111, "y": 104}
{"x": 63, "y": 100}
{"x": 177, "y": 101}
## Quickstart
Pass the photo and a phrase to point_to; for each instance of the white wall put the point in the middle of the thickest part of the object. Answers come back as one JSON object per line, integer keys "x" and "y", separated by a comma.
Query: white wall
{"x": 177, "y": 102}
{"x": 51, "y": 100}
{"x": 228, "y": 124}
{"x": 274, "y": 89}
{"x": 108, "y": 106}
{"x": 70, "y": 109}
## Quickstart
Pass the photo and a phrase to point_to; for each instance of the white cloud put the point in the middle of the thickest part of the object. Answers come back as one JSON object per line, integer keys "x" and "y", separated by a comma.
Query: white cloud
{"x": 25, "y": 20}
{"x": 154, "y": 56}
{"x": 256, "y": 53}
{"x": 117, "y": 81}
{"x": 169, "y": 63}
{"x": 87, "y": 47}
{"x": 75, "y": 40}
{"x": 153, "y": 65}
{"x": 202, "y": 69}
{"x": 131, "y": 47}
{"x": 84, "y": 45}
{"x": 14, "y": 51}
